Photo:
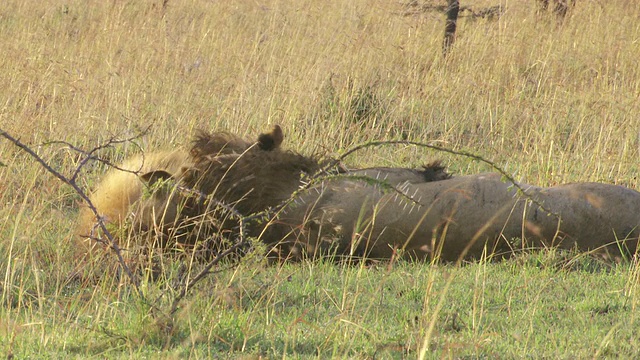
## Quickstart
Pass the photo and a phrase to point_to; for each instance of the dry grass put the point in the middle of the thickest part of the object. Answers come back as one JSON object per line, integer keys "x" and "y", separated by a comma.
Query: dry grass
{"x": 560, "y": 99}
{"x": 550, "y": 102}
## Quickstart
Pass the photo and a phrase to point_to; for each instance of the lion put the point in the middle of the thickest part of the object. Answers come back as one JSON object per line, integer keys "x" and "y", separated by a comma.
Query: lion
{"x": 299, "y": 206}
{"x": 457, "y": 218}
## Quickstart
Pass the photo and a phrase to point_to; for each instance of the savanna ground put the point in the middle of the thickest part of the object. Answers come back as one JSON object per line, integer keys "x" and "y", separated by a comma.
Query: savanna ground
{"x": 549, "y": 102}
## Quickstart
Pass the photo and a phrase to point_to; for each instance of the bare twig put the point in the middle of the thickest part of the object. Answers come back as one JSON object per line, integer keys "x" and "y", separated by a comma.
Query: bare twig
{"x": 240, "y": 240}
{"x": 90, "y": 155}
{"x": 72, "y": 182}
{"x": 467, "y": 154}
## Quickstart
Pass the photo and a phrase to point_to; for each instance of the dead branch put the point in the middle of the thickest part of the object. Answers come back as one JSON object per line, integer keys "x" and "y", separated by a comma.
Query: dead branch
{"x": 467, "y": 154}
{"x": 71, "y": 181}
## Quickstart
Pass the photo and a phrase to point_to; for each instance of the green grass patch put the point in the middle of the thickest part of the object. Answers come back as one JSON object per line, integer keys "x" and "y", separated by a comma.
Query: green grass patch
{"x": 548, "y": 102}
{"x": 530, "y": 306}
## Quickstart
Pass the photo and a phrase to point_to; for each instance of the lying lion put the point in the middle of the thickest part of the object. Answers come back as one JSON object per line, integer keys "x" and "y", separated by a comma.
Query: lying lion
{"x": 462, "y": 217}
{"x": 180, "y": 198}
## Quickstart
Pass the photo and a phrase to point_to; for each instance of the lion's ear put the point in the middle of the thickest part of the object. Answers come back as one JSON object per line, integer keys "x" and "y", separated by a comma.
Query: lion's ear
{"x": 272, "y": 140}
{"x": 152, "y": 177}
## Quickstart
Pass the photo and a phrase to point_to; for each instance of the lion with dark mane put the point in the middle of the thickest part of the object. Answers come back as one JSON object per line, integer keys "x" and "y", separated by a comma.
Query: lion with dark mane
{"x": 306, "y": 207}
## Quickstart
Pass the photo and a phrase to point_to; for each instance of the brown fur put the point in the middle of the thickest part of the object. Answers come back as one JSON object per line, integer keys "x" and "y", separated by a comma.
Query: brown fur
{"x": 252, "y": 181}
{"x": 172, "y": 213}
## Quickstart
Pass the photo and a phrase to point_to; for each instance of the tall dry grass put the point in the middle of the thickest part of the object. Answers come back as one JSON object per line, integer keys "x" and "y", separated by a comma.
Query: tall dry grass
{"x": 551, "y": 102}
{"x": 522, "y": 88}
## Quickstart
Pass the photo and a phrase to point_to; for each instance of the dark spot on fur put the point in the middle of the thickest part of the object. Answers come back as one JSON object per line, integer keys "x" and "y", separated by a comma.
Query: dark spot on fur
{"x": 435, "y": 171}
{"x": 271, "y": 140}
{"x": 152, "y": 177}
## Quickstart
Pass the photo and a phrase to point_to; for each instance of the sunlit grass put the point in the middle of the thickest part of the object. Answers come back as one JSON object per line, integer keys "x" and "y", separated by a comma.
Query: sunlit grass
{"x": 549, "y": 102}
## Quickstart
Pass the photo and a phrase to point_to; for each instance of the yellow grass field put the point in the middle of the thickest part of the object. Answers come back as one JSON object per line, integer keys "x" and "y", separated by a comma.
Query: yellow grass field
{"x": 549, "y": 101}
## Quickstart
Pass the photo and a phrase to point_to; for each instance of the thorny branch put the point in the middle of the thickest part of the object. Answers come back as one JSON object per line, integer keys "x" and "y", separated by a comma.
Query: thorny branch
{"x": 90, "y": 155}
{"x": 467, "y": 154}
{"x": 72, "y": 182}
{"x": 100, "y": 223}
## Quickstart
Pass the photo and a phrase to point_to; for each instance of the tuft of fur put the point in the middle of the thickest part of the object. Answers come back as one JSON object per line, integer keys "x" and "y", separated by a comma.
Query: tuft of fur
{"x": 435, "y": 171}
{"x": 119, "y": 189}
{"x": 271, "y": 140}
{"x": 396, "y": 177}
{"x": 210, "y": 145}
{"x": 215, "y": 144}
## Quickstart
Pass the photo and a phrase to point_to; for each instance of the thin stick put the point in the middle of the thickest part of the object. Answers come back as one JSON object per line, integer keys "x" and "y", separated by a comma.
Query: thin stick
{"x": 72, "y": 182}
{"x": 470, "y": 155}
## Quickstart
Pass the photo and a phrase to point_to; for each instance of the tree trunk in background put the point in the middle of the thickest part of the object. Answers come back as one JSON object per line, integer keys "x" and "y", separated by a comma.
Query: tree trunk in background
{"x": 560, "y": 8}
{"x": 450, "y": 27}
